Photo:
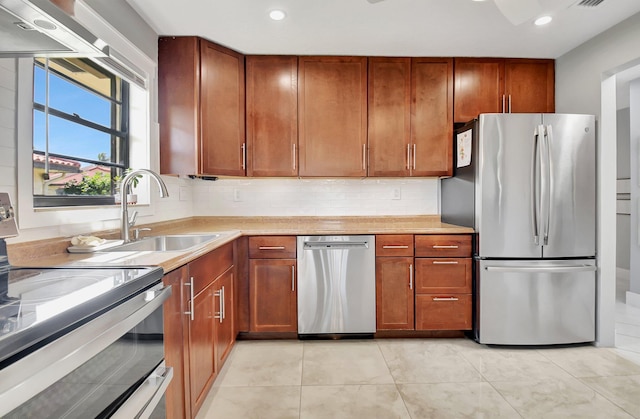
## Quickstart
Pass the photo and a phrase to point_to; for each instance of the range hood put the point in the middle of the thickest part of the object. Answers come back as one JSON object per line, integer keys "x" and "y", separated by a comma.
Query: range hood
{"x": 40, "y": 28}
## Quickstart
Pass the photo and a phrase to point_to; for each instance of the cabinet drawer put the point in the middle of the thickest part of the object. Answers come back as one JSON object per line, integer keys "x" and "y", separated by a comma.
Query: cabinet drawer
{"x": 443, "y": 312}
{"x": 443, "y": 245}
{"x": 435, "y": 275}
{"x": 272, "y": 247}
{"x": 394, "y": 245}
{"x": 207, "y": 268}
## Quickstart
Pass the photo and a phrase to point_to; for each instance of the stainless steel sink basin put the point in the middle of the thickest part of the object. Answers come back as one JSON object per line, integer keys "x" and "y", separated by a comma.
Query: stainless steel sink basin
{"x": 178, "y": 242}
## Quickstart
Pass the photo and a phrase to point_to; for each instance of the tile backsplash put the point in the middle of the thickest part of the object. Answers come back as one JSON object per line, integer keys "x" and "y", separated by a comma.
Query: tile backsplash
{"x": 313, "y": 197}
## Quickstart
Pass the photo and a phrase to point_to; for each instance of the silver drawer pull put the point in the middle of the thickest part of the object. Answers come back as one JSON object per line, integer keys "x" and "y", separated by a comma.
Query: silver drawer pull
{"x": 394, "y": 246}
{"x": 445, "y": 298}
{"x": 445, "y": 262}
{"x": 271, "y": 248}
{"x": 441, "y": 246}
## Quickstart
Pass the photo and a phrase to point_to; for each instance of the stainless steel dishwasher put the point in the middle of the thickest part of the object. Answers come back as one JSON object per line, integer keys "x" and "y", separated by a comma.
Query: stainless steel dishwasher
{"x": 336, "y": 285}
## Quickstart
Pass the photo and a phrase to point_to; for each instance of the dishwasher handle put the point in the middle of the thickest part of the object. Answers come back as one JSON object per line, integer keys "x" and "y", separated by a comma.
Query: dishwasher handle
{"x": 335, "y": 245}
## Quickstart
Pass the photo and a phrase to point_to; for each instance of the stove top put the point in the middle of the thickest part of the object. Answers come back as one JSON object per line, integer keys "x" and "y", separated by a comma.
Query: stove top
{"x": 36, "y": 303}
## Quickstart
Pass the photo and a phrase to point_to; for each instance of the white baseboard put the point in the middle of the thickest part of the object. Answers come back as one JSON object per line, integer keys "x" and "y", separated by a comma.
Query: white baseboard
{"x": 633, "y": 299}
{"x": 623, "y": 273}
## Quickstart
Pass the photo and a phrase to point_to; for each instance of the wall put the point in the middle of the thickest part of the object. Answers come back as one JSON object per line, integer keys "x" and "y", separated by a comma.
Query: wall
{"x": 272, "y": 197}
{"x": 8, "y": 83}
{"x": 623, "y": 172}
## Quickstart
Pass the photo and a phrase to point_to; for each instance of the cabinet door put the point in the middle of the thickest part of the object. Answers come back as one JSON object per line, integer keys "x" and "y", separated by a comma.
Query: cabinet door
{"x": 221, "y": 111}
{"x": 394, "y": 293}
{"x": 332, "y": 116}
{"x": 479, "y": 87}
{"x": 432, "y": 117}
{"x": 176, "y": 343}
{"x": 530, "y": 85}
{"x": 201, "y": 347}
{"x": 389, "y": 116}
{"x": 272, "y": 115}
{"x": 223, "y": 316}
{"x": 273, "y": 295}
{"x": 178, "y": 102}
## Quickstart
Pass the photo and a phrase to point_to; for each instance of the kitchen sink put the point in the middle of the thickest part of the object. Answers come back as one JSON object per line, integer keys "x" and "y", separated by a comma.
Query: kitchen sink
{"x": 167, "y": 243}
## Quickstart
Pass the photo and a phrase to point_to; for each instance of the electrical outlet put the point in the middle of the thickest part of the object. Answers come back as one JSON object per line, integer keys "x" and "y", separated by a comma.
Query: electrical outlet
{"x": 236, "y": 195}
{"x": 397, "y": 193}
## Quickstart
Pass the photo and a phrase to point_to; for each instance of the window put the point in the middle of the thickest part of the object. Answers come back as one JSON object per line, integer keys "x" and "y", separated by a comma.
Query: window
{"x": 80, "y": 132}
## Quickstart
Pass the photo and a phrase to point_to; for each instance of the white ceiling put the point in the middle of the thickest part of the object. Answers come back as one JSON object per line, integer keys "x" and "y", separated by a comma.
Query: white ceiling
{"x": 388, "y": 28}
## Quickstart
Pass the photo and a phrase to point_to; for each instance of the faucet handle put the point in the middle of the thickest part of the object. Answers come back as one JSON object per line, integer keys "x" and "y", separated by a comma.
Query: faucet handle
{"x": 136, "y": 232}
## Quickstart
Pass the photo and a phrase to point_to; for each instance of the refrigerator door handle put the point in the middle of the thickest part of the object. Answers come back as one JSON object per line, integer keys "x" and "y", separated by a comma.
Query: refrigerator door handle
{"x": 576, "y": 268}
{"x": 534, "y": 186}
{"x": 548, "y": 139}
{"x": 544, "y": 185}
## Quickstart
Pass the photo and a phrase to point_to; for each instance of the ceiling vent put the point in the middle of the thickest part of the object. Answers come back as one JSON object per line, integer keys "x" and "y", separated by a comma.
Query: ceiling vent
{"x": 589, "y": 3}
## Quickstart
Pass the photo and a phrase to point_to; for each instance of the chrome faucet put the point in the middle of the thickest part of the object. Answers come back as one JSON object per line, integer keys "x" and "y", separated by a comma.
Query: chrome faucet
{"x": 125, "y": 222}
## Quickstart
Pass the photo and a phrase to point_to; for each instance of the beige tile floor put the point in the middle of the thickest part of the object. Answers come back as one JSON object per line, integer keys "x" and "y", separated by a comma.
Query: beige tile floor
{"x": 436, "y": 378}
{"x": 424, "y": 378}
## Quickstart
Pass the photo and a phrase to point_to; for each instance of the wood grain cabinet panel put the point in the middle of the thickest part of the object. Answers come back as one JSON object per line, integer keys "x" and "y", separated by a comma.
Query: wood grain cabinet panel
{"x": 530, "y": 85}
{"x": 432, "y": 117}
{"x": 443, "y": 245}
{"x": 273, "y": 306}
{"x": 443, "y": 311}
{"x": 394, "y": 293}
{"x": 223, "y": 317}
{"x": 394, "y": 245}
{"x": 272, "y": 115}
{"x": 449, "y": 275}
{"x": 389, "y": 110}
{"x": 201, "y": 346}
{"x": 201, "y": 108}
{"x": 332, "y": 116}
{"x": 272, "y": 247}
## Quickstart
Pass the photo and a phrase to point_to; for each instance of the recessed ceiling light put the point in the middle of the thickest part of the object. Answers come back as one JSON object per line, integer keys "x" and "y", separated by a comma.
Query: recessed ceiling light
{"x": 543, "y": 20}
{"x": 277, "y": 14}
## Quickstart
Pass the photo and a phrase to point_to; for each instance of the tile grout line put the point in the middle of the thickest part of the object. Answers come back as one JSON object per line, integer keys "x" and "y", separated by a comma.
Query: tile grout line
{"x": 395, "y": 382}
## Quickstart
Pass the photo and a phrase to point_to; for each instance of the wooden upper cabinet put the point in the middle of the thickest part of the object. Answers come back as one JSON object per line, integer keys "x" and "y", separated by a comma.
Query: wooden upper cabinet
{"x": 530, "y": 85}
{"x": 272, "y": 115}
{"x": 200, "y": 108}
{"x": 431, "y": 117}
{"x": 222, "y": 110}
{"x": 389, "y": 116}
{"x": 332, "y": 116}
{"x": 494, "y": 85}
{"x": 479, "y": 87}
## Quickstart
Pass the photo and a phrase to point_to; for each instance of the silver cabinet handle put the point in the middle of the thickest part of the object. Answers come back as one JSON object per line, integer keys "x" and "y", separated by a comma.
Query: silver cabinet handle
{"x": 414, "y": 156}
{"x": 293, "y": 278}
{"x": 509, "y": 103}
{"x": 218, "y": 315}
{"x": 394, "y": 246}
{"x": 408, "y": 156}
{"x": 364, "y": 157}
{"x": 293, "y": 155}
{"x": 411, "y": 276}
{"x": 445, "y": 262}
{"x": 223, "y": 304}
{"x": 503, "y": 107}
{"x": 442, "y": 246}
{"x": 271, "y": 248}
{"x": 192, "y": 310}
{"x": 445, "y": 298}
{"x": 244, "y": 156}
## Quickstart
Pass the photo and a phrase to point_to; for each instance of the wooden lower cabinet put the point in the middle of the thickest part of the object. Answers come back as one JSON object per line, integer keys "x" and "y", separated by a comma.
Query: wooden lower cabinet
{"x": 197, "y": 340}
{"x": 394, "y": 293}
{"x": 443, "y": 312}
{"x": 273, "y": 306}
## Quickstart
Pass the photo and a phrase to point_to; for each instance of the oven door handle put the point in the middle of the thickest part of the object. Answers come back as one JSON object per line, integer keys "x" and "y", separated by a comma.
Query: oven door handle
{"x": 35, "y": 372}
{"x": 141, "y": 403}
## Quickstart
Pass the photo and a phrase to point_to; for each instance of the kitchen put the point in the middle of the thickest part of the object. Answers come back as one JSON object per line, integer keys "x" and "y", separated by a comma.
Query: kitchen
{"x": 573, "y": 94}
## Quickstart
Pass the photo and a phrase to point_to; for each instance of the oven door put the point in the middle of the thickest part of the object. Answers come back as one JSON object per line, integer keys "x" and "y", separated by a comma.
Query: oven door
{"x": 112, "y": 366}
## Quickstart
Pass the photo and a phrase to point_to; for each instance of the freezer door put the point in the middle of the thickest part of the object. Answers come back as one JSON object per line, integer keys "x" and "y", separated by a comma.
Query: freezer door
{"x": 570, "y": 230}
{"x": 536, "y": 302}
{"x": 506, "y": 193}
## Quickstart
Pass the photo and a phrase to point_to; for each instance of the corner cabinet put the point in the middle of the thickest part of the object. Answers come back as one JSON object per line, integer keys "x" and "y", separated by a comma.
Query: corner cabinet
{"x": 199, "y": 328}
{"x": 272, "y": 284}
{"x": 201, "y": 108}
{"x": 272, "y": 115}
{"x": 496, "y": 85}
{"x": 332, "y": 116}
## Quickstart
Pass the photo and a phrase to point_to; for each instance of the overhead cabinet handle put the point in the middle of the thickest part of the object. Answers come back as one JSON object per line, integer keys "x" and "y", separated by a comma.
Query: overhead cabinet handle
{"x": 408, "y": 156}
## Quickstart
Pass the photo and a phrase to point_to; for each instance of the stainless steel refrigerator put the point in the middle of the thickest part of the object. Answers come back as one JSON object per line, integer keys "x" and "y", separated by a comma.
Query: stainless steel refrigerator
{"x": 527, "y": 185}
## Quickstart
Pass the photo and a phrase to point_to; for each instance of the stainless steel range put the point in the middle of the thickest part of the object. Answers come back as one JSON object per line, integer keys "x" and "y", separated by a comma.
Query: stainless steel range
{"x": 78, "y": 342}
